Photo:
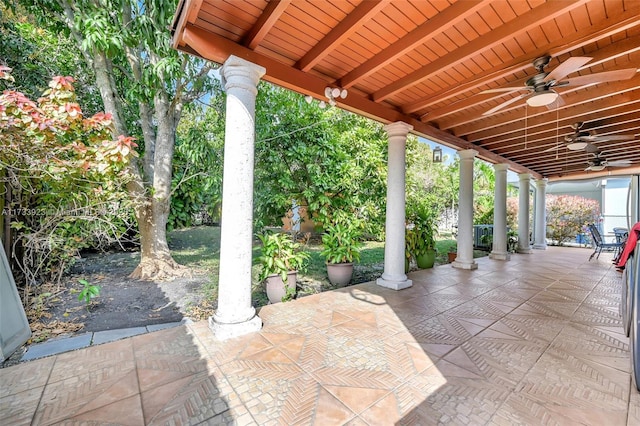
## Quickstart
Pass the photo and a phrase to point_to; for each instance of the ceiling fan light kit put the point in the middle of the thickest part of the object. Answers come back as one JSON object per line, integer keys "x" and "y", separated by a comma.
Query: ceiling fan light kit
{"x": 577, "y": 146}
{"x": 545, "y": 97}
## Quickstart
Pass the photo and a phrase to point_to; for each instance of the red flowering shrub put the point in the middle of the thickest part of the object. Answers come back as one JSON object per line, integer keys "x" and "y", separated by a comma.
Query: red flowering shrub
{"x": 62, "y": 178}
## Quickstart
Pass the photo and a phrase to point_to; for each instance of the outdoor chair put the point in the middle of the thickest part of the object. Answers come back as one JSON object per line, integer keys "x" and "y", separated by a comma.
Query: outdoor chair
{"x": 599, "y": 243}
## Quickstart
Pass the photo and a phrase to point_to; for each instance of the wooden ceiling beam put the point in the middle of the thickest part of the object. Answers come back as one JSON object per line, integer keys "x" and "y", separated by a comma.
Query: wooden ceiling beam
{"x": 533, "y": 157}
{"x": 534, "y": 18}
{"x": 605, "y": 107}
{"x": 448, "y": 17}
{"x": 616, "y": 117}
{"x": 266, "y": 21}
{"x": 585, "y": 36}
{"x": 341, "y": 32}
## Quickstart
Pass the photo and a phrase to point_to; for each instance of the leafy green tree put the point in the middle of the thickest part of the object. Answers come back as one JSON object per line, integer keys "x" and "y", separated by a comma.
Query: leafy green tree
{"x": 197, "y": 175}
{"x": 144, "y": 84}
{"x": 327, "y": 159}
{"x": 484, "y": 184}
{"x": 36, "y": 54}
{"x": 424, "y": 191}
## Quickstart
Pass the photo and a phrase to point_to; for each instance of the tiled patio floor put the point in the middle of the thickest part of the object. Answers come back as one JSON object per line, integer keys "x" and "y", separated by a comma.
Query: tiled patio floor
{"x": 536, "y": 340}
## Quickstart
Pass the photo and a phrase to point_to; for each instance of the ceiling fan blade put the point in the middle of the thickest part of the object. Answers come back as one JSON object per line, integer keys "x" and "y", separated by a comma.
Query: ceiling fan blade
{"x": 602, "y": 77}
{"x": 604, "y": 138}
{"x": 505, "y": 89}
{"x": 567, "y": 67}
{"x": 618, "y": 163}
{"x": 558, "y": 146}
{"x": 504, "y": 104}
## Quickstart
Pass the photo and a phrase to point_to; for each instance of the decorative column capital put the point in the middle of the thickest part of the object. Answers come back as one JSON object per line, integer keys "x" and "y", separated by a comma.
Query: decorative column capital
{"x": 467, "y": 154}
{"x": 239, "y": 73}
{"x": 524, "y": 176}
{"x": 398, "y": 128}
{"x": 501, "y": 167}
{"x": 542, "y": 183}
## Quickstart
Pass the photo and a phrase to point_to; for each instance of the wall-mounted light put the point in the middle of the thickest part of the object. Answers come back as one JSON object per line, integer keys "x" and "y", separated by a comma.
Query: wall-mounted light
{"x": 437, "y": 155}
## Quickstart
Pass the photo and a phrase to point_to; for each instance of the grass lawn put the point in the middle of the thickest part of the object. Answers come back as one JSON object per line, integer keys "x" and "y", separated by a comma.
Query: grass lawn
{"x": 199, "y": 249}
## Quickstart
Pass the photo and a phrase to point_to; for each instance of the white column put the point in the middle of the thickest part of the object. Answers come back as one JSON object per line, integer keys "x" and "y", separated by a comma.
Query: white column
{"x": 235, "y": 315}
{"x": 499, "y": 250}
{"x": 540, "y": 240}
{"x": 524, "y": 245}
{"x": 393, "y": 276}
{"x": 464, "y": 260}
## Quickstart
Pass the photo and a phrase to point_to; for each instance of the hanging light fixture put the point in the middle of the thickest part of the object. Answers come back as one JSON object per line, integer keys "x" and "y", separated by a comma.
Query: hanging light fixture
{"x": 577, "y": 146}
{"x": 437, "y": 155}
{"x": 542, "y": 98}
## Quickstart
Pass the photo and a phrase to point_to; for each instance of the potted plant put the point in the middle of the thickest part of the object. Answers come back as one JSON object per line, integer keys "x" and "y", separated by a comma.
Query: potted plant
{"x": 410, "y": 241}
{"x": 281, "y": 259}
{"x": 453, "y": 253}
{"x": 420, "y": 238}
{"x": 341, "y": 247}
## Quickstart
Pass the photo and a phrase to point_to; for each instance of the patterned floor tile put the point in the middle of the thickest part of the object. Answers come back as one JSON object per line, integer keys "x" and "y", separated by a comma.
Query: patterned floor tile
{"x": 19, "y": 408}
{"x": 77, "y": 395}
{"x": 516, "y": 342}
{"x": 21, "y": 378}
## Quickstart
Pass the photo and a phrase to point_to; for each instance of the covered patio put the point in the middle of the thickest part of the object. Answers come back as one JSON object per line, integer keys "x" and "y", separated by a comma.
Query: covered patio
{"x": 547, "y": 89}
{"x": 536, "y": 340}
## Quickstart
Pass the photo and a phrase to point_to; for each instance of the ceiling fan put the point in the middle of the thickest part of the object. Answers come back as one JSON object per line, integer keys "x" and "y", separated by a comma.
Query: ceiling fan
{"x": 581, "y": 139}
{"x": 540, "y": 86}
{"x": 598, "y": 163}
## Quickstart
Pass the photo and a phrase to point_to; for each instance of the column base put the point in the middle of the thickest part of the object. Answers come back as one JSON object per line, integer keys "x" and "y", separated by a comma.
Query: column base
{"x": 499, "y": 256}
{"x": 224, "y": 331}
{"x": 393, "y": 284}
{"x": 464, "y": 265}
{"x": 524, "y": 250}
{"x": 540, "y": 246}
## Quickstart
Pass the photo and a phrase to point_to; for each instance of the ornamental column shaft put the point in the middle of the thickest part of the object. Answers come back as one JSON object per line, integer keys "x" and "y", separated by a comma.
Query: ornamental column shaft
{"x": 464, "y": 259}
{"x": 524, "y": 246}
{"x": 393, "y": 276}
{"x": 499, "y": 249}
{"x": 540, "y": 240}
{"x": 235, "y": 315}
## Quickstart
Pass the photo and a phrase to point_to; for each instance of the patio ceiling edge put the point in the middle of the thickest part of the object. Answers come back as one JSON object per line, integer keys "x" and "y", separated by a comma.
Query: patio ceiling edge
{"x": 212, "y": 47}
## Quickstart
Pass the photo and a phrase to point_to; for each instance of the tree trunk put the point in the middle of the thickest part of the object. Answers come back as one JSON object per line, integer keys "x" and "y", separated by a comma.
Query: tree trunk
{"x": 150, "y": 188}
{"x": 156, "y": 261}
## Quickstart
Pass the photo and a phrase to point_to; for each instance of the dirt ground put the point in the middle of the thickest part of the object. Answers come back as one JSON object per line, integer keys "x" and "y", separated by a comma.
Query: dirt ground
{"x": 123, "y": 302}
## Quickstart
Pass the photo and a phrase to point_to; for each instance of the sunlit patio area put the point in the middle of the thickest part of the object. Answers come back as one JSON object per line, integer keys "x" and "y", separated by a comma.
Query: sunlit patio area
{"x": 534, "y": 340}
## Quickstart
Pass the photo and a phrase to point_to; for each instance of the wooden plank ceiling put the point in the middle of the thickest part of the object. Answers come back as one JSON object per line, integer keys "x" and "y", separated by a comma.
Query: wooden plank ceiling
{"x": 430, "y": 63}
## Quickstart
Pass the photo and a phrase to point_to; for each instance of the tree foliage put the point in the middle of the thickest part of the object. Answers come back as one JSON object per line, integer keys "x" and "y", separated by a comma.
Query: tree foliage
{"x": 62, "y": 174}
{"x": 197, "y": 166}
{"x": 36, "y": 54}
{"x": 327, "y": 159}
{"x": 567, "y": 216}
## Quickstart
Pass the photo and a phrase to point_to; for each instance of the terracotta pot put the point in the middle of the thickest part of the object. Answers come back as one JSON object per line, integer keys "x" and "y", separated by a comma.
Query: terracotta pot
{"x": 340, "y": 273}
{"x": 452, "y": 257}
{"x": 427, "y": 260}
{"x": 276, "y": 287}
